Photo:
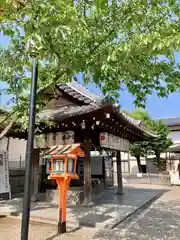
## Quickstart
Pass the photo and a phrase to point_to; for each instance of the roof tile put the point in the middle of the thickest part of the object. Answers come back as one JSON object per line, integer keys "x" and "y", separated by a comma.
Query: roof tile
{"x": 79, "y": 92}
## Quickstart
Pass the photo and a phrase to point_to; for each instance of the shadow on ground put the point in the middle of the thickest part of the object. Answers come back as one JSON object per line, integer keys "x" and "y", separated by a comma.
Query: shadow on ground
{"x": 113, "y": 208}
{"x": 57, "y": 235}
{"x": 105, "y": 213}
{"x": 161, "y": 222}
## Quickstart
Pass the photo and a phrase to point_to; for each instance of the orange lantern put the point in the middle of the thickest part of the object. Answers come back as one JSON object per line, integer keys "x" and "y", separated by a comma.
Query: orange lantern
{"x": 63, "y": 168}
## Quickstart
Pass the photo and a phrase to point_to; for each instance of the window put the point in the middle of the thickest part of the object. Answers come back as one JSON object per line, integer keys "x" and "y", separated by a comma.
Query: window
{"x": 70, "y": 165}
{"x": 58, "y": 165}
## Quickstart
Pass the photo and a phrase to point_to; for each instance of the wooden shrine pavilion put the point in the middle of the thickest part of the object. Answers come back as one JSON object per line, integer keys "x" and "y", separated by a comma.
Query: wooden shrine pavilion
{"x": 81, "y": 117}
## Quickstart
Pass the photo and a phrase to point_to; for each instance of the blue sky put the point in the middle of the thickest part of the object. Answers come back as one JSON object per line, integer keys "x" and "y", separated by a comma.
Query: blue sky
{"x": 156, "y": 107}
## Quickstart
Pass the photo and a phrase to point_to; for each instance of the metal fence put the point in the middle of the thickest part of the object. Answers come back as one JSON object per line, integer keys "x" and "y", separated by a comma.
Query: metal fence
{"x": 147, "y": 178}
{"x": 16, "y": 165}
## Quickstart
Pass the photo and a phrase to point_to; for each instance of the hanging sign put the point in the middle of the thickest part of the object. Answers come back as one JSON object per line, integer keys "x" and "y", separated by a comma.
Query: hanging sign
{"x": 59, "y": 138}
{"x": 113, "y": 142}
{"x": 52, "y": 139}
{"x": 69, "y": 137}
{"x": 4, "y": 173}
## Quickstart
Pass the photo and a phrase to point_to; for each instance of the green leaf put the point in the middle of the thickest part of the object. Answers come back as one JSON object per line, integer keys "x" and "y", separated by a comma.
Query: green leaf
{"x": 125, "y": 44}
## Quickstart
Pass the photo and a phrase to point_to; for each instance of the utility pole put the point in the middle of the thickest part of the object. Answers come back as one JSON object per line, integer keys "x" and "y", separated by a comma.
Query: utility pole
{"x": 29, "y": 154}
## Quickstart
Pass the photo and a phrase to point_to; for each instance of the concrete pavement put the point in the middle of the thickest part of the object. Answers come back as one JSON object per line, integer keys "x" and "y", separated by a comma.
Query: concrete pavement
{"x": 106, "y": 213}
{"x": 10, "y": 229}
{"x": 161, "y": 221}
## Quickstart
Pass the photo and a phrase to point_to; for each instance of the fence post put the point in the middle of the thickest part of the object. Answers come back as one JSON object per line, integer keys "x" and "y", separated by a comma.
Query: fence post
{"x": 10, "y": 197}
{"x": 20, "y": 162}
{"x": 149, "y": 178}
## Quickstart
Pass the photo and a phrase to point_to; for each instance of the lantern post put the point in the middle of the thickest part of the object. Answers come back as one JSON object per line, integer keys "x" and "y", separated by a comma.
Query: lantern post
{"x": 62, "y": 168}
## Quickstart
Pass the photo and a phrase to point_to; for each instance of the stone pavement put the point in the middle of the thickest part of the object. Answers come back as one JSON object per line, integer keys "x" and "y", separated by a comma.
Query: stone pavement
{"x": 106, "y": 213}
{"x": 161, "y": 221}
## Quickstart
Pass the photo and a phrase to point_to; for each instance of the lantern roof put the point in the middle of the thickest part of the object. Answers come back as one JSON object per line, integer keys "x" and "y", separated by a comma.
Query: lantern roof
{"x": 63, "y": 150}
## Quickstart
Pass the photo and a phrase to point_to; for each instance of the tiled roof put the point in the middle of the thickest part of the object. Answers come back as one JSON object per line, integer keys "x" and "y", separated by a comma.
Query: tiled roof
{"x": 138, "y": 125}
{"x": 67, "y": 112}
{"x": 79, "y": 92}
{"x": 172, "y": 121}
{"x": 135, "y": 121}
{"x": 92, "y": 103}
{"x": 174, "y": 148}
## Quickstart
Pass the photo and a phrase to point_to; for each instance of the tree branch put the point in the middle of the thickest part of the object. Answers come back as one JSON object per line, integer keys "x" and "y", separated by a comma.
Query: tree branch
{"x": 7, "y": 128}
{"x": 107, "y": 36}
{"x": 7, "y": 117}
{"x": 102, "y": 41}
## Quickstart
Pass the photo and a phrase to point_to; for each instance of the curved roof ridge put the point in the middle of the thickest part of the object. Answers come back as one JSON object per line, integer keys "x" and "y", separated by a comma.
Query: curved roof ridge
{"x": 78, "y": 91}
{"x": 138, "y": 122}
{"x": 145, "y": 130}
{"x": 171, "y": 121}
{"x": 163, "y": 118}
{"x": 81, "y": 89}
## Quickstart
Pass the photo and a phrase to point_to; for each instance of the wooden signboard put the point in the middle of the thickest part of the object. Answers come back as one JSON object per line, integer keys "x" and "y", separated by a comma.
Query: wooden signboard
{"x": 113, "y": 142}
{"x": 49, "y": 140}
{"x": 4, "y": 174}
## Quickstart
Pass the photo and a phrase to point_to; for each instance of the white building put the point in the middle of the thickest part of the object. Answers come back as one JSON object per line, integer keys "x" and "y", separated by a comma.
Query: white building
{"x": 129, "y": 163}
{"x": 173, "y": 124}
{"x": 16, "y": 148}
{"x": 16, "y": 151}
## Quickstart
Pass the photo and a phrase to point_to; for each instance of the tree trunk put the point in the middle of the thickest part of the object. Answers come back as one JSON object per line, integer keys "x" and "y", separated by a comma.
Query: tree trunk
{"x": 158, "y": 160}
{"x": 160, "y": 165}
{"x": 7, "y": 146}
{"x": 138, "y": 158}
{"x": 9, "y": 126}
{"x": 6, "y": 129}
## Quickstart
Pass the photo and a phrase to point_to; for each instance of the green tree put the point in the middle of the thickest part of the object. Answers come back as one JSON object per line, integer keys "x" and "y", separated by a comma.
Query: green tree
{"x": 139, "y": 149}
{"x": 113, "y": 43}
{"x": 161, "y": 143}
{"x": 154, "y": 146}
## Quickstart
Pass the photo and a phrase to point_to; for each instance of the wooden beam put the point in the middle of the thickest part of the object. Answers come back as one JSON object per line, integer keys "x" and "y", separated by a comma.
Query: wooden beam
{"x": 115, "y": 126}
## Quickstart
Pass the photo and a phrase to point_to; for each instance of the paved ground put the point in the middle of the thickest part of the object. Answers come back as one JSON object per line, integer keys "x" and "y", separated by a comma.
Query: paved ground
{"x": 105, "y": 214}
{"x": 10, "y": 229}
{"x": 161, "y": 221}
{"x": 121, "y": 206}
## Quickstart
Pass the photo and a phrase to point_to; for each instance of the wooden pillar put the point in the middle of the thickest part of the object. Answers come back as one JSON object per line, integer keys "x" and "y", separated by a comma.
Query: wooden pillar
{"x": 119, "y": 174}
{"x": 129, "y": 166}
{"x": 87, "y": 172}
{"x": 104, "y": 173}
{"x": 35, "y": 176}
